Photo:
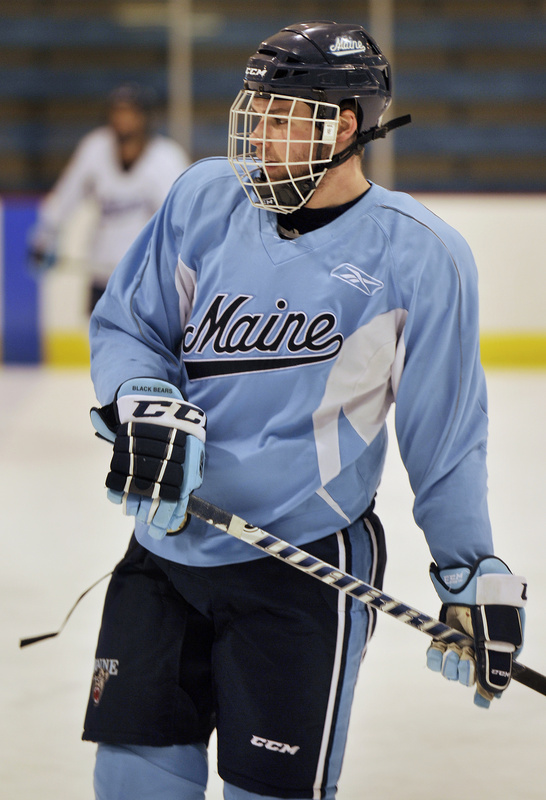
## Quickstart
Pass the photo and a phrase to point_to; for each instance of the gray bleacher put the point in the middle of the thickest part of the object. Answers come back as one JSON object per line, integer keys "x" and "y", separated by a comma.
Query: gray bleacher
{"x": 474, "y": 83}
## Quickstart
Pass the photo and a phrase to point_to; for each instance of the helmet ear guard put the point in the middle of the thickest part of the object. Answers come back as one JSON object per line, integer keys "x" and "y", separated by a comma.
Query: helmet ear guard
{"x": 378, "y": 132}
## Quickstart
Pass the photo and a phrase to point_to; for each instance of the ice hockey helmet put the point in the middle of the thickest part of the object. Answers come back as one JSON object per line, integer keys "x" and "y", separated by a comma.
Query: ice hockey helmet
{"x": 327, "y": 64}
{"x": 134, "y": 94}
{"x": 325, "y": 61}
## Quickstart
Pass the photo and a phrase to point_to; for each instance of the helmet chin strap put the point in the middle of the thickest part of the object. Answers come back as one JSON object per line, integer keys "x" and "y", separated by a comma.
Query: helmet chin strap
{"x": 290, "y": 193}
{"x": 378, "y": 132}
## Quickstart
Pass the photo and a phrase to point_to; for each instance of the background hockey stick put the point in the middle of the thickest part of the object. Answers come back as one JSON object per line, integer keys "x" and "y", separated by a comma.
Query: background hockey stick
{"x": 272, "y": 545}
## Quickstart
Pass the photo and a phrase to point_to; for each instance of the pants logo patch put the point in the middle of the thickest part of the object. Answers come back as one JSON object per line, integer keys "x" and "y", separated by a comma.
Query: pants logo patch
{"x": 104, "y": 667}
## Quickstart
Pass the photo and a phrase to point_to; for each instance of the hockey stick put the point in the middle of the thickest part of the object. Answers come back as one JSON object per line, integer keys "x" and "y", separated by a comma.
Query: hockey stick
{"x": 272, "y": 545}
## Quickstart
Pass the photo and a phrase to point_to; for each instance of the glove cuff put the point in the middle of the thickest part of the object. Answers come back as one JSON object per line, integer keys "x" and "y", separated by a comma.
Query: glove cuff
{"x": 148, "y": 386}
{"x": 158, "y": 402}
{"x": 106, "y": 419}
{"x": 488, "y": 582}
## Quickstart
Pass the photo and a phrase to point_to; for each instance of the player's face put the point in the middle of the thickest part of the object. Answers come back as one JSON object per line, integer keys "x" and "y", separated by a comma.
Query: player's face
{"x": 283, "y": 137}
{"x": 127, "y": 121}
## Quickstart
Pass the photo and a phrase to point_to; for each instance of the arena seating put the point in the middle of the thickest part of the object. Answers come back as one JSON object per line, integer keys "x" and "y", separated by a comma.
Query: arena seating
{"x": 474, "y": 80}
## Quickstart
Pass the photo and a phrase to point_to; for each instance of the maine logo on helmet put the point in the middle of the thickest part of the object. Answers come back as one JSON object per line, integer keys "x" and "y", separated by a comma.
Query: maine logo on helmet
{"x": 324, "y": 64}
{"x": 345, "y": 44}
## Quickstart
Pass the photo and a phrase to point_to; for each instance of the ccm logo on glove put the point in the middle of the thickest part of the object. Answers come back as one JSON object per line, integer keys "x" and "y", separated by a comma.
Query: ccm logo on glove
{"x": 170, "y": 413}
{"x": 149, "y": 408}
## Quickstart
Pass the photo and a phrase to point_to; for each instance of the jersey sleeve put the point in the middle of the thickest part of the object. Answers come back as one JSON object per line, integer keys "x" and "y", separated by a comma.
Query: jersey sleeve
{"x": 441, "y": 403}
{"x": 136, "y": 328}
{"x": 72, "y": 186}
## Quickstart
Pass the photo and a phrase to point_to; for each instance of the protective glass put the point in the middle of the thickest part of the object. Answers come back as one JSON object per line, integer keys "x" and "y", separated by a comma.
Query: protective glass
{"x": 281, "y": 152}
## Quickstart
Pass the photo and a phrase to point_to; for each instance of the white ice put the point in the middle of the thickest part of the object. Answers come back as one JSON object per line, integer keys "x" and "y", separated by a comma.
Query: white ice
{"x": 413, "y": 736}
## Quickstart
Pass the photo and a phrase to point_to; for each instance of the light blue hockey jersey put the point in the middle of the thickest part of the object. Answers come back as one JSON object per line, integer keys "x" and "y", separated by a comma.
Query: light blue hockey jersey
{"x": 296, "y": 349}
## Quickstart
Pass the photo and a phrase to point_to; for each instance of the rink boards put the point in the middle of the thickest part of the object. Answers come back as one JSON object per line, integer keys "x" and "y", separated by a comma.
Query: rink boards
{"x": 43, "y": 318}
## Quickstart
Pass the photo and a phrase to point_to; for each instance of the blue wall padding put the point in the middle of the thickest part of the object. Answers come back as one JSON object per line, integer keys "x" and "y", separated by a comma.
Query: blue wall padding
{"x": 21, "y": 339}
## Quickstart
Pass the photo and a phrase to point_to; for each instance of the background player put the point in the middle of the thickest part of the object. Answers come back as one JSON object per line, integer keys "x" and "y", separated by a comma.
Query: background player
{"x": 126, "y": 170}
{"x": 273, "y": 336}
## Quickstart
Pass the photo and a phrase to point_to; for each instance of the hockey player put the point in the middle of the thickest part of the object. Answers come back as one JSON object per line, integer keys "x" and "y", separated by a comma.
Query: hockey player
{"x": 126, "y": 170}
{"x": 249, "y": 345}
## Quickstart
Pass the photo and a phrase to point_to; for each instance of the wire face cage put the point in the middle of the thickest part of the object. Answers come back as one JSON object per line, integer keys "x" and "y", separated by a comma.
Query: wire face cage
{"x": 280, "y": 147}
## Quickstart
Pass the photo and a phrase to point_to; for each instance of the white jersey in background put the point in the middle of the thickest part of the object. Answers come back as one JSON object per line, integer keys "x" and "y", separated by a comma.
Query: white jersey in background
{"x": 125, "y": 199}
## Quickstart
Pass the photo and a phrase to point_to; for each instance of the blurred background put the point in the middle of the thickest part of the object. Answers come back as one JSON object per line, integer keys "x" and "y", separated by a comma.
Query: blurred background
{"x": 472, "y": 75}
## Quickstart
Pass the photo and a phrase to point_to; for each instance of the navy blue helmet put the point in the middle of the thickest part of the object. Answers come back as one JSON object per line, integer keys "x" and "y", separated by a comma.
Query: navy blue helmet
{"x": 325, "y": 61}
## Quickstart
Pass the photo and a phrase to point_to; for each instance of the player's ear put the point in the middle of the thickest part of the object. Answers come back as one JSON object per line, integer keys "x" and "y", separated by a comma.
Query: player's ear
{"x": 348, "y": 125}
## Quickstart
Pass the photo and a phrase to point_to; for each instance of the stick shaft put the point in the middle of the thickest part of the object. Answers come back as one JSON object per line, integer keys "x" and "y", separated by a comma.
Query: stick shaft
{"x": 342, "y": 581}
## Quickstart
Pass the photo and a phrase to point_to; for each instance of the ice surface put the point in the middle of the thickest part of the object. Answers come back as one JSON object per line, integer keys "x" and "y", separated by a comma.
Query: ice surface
{"x": 413, "y": 736}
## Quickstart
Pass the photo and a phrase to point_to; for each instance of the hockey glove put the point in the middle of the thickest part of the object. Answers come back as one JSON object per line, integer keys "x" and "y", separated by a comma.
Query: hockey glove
{"x": 486, "y": 602}
{"x": 159, "y": 450}
{"x": 41, "y": 260}
{"x": 41, "y": 250}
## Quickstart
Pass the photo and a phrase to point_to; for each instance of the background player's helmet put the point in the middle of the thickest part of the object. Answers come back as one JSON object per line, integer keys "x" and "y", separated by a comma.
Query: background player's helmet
{"x": 131, "y": 110}
{"x": 133, "y": 94}
{"x": 328, "y": 66}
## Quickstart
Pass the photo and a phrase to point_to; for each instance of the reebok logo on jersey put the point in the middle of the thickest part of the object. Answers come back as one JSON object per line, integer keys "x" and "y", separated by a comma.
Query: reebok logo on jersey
{"x": 276, "y": 747}
{"x": 358, "y": 278}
